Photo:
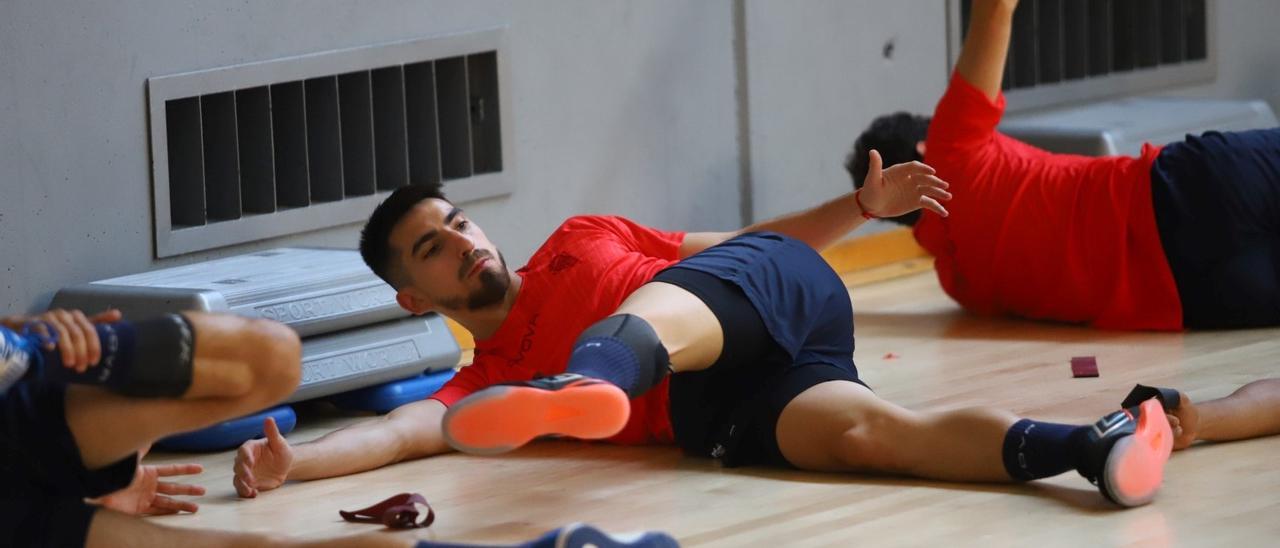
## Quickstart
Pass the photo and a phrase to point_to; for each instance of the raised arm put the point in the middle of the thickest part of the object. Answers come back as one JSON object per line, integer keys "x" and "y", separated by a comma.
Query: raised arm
{"x": 891, "y": 192}
{"x": 409, "y": 432}
{"x": 986, "y": 46}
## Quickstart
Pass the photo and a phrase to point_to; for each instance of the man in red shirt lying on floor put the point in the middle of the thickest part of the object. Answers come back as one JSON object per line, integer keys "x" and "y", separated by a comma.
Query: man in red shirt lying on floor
{"x": 1184, "y": 235}
{"x": 736, "y": 346}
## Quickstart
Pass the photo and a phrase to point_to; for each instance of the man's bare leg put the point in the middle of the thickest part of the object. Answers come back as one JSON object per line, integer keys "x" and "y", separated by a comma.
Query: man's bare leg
{"x": 842, "y": 426}
{"x": 838, "y": 426}
{"x": 240, "y": 366}
{"x": 111, "y": 529}
{"x": 685, "y": 325}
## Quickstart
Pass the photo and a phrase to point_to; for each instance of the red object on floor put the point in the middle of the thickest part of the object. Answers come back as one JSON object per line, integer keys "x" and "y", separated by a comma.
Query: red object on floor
{"x": 1086, "y": 366}
{"x": 397, "y": 512}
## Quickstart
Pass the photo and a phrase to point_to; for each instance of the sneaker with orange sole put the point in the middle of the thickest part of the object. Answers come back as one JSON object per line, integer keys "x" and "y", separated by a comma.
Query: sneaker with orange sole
{"x": 1128, "y": 453}
{"x": 506, "y": 416}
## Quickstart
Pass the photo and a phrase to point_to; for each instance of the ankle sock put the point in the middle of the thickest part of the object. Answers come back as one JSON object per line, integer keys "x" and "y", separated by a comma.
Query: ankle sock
{"x": 1034, "y": 449}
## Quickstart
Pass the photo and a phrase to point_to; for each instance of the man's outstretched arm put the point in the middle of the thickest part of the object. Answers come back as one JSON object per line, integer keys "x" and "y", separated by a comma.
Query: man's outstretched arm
{"x": 889, "y": 192}
{"x": 410, "y": 431}
{"x": 986, "y": 46}
{"x": 1252, "y": 411}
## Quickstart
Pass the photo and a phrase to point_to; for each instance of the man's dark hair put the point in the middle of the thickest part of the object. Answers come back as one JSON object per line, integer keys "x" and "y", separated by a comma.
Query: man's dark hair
{"x": 375, "y": 239}
{"x": 895, "y": 137}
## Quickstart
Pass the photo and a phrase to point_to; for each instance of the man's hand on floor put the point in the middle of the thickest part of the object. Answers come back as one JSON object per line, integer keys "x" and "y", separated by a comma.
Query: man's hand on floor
{"x": 262, "y": 464}
{"x": 147, "y": 495}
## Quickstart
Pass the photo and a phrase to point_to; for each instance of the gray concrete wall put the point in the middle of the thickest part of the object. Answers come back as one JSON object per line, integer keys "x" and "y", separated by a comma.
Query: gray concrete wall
{"x": 628, "y": 107}
{"x": 819, "y": 72}
{"x": 619, "y": 106}
{"x": 818, "y": 75}
{"x": 1248, "y": 53}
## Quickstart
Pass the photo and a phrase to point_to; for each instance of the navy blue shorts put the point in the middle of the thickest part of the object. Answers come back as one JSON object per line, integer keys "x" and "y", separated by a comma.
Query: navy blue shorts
{"x": 1217, "y": 205}
{"x": 43, "y": 482}
{"x": 788, "y": 326}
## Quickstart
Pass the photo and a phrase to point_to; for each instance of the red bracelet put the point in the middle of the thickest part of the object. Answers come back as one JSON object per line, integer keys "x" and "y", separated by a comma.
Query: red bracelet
{"x": 857, "y": 199}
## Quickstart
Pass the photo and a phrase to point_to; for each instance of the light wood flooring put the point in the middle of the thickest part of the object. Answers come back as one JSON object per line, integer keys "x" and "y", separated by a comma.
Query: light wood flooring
{"x": 914, "y": 347}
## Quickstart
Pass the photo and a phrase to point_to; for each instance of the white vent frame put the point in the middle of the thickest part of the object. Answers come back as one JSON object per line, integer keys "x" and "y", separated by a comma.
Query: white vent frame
{"x": 171, "y": 240}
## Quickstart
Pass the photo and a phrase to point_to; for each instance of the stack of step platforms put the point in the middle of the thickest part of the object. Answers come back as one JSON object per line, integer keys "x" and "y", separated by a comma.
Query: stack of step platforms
{"x": 358, "y": 346}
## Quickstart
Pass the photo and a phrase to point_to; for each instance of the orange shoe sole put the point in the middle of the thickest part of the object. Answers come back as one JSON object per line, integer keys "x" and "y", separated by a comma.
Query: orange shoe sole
{"x": 501, "y": 418}
{"x": 1135, "y": 467}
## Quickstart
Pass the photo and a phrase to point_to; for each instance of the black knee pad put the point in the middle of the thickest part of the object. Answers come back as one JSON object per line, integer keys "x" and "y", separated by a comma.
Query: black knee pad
{"x": 640, "y": 337}
{"x": 163, "y": 358}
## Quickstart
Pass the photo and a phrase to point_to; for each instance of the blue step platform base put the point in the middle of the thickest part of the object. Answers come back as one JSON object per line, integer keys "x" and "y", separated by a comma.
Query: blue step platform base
{"x": 387, "y": 396}
{"x": 379, "y": 399}
{"x": 232, "y": 433}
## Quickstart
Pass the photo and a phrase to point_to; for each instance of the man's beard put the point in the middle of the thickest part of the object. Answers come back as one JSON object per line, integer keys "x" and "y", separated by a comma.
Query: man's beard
{"x": 493, "y": 289}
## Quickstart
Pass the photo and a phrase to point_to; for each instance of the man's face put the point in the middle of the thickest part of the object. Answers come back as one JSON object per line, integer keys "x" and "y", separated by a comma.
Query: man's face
{"x": 447, "y": 260}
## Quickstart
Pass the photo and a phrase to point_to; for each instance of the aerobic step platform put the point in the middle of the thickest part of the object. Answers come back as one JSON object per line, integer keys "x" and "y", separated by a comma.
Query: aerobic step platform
{"x": 312, "y": 290}
{"x": 232, "y": 433}
{"x": 1121, "y": 126}
{"x": 354, "y": 335}
{"x": 380, "y": 398}
{"x": 365, "y": 356}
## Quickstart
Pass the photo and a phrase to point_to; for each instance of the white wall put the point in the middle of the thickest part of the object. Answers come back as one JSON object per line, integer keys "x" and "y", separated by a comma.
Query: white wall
{"x": 619, "y": 106}
{"x": 818, "y": 76}
{"x": 1248, "y": 53}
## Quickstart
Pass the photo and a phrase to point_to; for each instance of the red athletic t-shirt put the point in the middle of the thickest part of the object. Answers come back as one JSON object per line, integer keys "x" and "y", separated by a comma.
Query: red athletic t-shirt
{"x": 580, "y": 275}
{"x": 1042, "y": 235}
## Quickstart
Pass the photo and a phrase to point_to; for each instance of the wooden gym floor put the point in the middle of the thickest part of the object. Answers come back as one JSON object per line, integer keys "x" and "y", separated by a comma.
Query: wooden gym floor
{"x": 914, "y": 347}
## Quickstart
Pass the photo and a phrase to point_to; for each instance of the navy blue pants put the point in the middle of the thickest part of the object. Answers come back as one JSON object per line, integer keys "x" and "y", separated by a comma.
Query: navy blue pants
{"x": 1217, "y": 204}
{"x": 788, "y": 326}
{"x": 43, "y": 482}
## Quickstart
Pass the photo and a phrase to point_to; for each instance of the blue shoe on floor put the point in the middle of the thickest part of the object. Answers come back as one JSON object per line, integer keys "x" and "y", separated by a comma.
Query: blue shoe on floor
{"x": 581, "y": 535}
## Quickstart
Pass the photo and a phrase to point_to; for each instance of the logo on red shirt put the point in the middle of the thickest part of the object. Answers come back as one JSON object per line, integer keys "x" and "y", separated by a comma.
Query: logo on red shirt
{"x": 526, "y": 343}
{"x": 562, "y": 261}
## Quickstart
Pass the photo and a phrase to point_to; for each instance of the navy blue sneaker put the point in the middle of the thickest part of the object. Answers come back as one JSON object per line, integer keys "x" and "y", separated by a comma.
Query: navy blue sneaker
{"x": 582, "y": 535}
{"x": 1127, "y": 453}
{"x": 579, "y": 535}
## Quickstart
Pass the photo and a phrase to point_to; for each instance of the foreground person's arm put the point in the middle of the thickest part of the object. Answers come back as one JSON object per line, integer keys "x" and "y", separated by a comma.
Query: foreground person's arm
{"x": 409, "y": 432}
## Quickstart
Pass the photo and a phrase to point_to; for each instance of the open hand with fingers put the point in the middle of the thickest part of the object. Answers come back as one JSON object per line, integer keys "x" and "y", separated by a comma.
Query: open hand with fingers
{"x": 148, "y": 495}
{"x": 262, "y": 464}
{"x": 901, "y": 189}
{"x": 73, "y": 334}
